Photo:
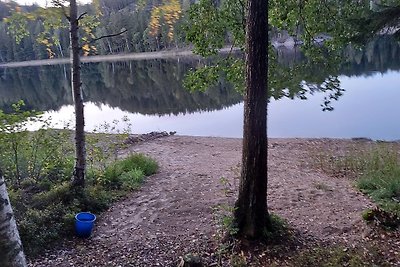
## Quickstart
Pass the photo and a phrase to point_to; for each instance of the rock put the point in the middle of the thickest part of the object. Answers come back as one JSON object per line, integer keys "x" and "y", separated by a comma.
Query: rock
{"x": 190, "y": 260}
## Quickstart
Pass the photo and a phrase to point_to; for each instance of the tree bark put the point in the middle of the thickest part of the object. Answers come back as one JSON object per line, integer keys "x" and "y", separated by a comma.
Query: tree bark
{"x": 11, "y": 252}
{"x": 251, "y": 213}
{"x": 80, "y": 150}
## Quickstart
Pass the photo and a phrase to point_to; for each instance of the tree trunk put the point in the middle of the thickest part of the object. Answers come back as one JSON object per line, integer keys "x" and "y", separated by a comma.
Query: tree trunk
{"x": 251, "y": 213}
{"x": 11, "y": 252}
{"x": 80, "y": 151}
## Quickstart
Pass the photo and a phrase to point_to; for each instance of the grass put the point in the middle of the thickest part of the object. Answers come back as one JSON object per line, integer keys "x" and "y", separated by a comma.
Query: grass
{"x": 376, "y": 172}
{"x": 45, "y": 214}
{"x": 337, "y": 256}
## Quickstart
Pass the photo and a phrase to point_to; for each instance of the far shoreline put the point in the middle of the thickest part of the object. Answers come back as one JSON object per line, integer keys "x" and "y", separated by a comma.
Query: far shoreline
{"x": 168, "y": 54}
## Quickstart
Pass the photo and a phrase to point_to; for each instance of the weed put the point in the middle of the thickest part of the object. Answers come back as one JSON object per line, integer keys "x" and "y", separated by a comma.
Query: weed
{"x": 381, "y": 217}
{"x": 226, "y": 186}
{"x": 238, "y": 260}
{"x": 224, "y": 215}
{"x": 276, "y": 228}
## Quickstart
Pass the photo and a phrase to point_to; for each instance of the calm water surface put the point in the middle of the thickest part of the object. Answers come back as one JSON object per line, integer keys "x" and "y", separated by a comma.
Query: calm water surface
{"x": 369, "y": 108}
{"x": 151, "y": 95}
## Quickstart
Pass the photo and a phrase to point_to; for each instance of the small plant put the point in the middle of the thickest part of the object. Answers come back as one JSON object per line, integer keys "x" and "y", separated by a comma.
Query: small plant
{"x": 106, "y": 141}
{"x": 381, "y": 218}
{"x": 226, "y": 186}
{"x": 276, "y": 228}
{"x": 224, "y": 215}
{"x": 238, "y": 260}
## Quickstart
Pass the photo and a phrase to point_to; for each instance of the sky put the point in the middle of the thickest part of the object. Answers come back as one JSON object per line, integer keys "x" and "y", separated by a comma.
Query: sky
{"x": 42, "y": 2}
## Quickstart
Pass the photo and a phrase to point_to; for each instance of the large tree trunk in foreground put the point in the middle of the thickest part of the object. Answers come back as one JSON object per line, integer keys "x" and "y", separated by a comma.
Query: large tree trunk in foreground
{"x": 11, "y": 252}
{"x": 251, "y": 207}
{"x": 80, "y": 150}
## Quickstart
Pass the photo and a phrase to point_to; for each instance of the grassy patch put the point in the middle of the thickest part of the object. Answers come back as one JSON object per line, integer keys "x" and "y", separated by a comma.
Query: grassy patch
{"x": 377, "y": 174}
{"x": 45, "y": 216}
{"x": 337, "y": 256}
{"x": 277, "y": 229}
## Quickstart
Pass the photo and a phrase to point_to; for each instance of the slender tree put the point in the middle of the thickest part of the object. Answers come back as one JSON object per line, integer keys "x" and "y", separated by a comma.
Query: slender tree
{"x": 11, "y": 252}
{"x": 80, "y": 147}
{"x": 251, "y": 206}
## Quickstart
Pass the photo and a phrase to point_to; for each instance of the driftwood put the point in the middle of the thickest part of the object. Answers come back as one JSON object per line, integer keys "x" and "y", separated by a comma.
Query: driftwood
{"x": 133, "y": 139}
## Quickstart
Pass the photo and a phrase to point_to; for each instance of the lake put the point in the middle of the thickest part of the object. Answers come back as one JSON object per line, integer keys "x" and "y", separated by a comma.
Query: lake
{"x": 151, "y": 95}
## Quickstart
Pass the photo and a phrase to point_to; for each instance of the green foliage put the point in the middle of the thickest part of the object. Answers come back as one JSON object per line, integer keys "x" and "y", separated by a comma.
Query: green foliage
{"x": 380, "y": 172}
{"x": 33, "y": 32}
{"x": 377, "y": 173}
{"x": 381, "y": 181}
{"x": 210, "y": 26}
{"x": 382, "y": 218}
{"x": 207, "y": 19}
{"x": 17, "y": 26}
{"x": 129, "y": 173}
{"x": 103, "y": 145}
{"x": 45, "y": 216}
{"x": 27, "y": 155}
{"x": 202, "y": 79}
{"x": 276, "y": 228}
{"x": 226, "y": 221}
{"x": 39, "y": 164}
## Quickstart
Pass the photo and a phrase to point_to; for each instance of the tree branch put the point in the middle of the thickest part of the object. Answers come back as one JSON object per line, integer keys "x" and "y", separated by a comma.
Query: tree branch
{"x": 63, "y": 10}
{"x": 82, "y": 15}
{"x": 107, "y": 36}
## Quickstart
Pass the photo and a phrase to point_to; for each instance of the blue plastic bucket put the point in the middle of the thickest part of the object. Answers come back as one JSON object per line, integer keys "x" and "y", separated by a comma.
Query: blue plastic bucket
{"x": 84, "y": 222}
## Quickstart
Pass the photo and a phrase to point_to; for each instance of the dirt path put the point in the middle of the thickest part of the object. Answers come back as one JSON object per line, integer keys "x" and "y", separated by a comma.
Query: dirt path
{"x": 173, "y": 212}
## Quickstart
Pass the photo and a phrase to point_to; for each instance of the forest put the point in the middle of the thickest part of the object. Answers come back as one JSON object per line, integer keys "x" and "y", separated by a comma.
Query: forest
{"x": 110, "y": 17}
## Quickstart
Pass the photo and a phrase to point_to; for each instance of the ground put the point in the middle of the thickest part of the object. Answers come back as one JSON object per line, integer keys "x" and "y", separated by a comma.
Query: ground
{"x": 176, "y": 211}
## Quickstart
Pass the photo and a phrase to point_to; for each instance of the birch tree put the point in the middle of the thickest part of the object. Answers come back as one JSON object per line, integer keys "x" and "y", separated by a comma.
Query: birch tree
{"x": 11, "y": 251}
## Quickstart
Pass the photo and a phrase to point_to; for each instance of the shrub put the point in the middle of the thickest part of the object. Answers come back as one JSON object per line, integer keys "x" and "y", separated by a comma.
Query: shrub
{"x": 38, "y": 166}
{"x": 45, "y": 216}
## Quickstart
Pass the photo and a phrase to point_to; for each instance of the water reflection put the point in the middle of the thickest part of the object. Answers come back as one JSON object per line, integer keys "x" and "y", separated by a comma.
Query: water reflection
{"x": 225, "y": 122}
{"x": 150, "y": 93}
{"x": 147, "y": 87}
{"x": 368, "y": 109}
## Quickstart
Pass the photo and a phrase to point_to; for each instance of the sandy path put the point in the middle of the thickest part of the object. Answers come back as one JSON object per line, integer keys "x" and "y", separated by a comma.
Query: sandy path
{"x": 173, "y": 212}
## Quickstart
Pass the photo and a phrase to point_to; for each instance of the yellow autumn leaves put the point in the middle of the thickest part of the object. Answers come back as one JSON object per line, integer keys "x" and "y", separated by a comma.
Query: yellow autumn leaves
{"x": 170, "y": 12}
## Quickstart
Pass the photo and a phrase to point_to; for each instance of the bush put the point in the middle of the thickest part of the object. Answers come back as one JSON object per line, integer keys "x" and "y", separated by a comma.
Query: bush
{"x": 128, "y": 173}
{"x": 46, "y": 216}
{"x": 38, "y": 167}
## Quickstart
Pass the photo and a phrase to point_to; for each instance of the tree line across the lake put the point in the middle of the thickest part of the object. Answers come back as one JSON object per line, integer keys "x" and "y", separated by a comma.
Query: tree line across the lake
{"x": 147, "y": 87}
{"x": 143, "y": 29}
{"x": 155, "y": 86}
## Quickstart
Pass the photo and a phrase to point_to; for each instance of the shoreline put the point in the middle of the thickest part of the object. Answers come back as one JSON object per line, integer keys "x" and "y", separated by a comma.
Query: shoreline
{"x": 112, "y": 58}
